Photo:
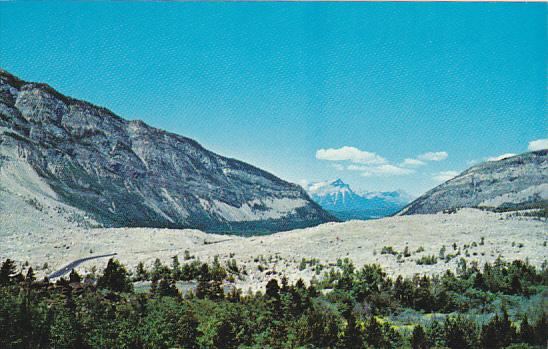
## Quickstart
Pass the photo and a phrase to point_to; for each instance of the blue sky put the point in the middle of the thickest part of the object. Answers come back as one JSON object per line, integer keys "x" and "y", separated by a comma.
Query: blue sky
{"x": 306, "y": 91}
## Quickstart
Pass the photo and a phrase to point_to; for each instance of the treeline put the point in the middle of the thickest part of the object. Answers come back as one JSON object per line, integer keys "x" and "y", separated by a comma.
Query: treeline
{"x": 347, "y": 309}
{"x": 468, "y": 288}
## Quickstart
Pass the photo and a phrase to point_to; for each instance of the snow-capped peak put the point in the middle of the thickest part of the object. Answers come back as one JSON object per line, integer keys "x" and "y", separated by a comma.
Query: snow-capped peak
{"x": 328, "y": 187}
{"x": 337, "y": 196}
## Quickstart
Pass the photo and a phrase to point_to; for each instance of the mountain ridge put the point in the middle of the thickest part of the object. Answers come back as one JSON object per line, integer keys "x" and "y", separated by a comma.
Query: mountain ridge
{"x": 127, "y": 173}
{"x": 338, "y": 198}
{"x": 519, "y": 181}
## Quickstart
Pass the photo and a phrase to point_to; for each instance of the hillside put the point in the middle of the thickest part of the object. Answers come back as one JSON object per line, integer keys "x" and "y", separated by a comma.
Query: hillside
{"x": 362, "y": 242}
{"x": 64, "y": 161}
{"x": 517, "y": 182}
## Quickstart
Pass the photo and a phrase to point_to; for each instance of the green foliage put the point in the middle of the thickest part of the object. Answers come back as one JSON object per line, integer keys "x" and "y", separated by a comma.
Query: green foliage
{"x": 169, "y": 323}
{"x": 498, "y": 333}
{"x": 74, "y": 276}
{"x": 30, "y": 277}
{"x": 388, "y": 250}
{"x": 115, "y": 277}
{"x": 355, "y": 314}
{"x": 460, "y": 332}
{"x": 441, "y": 254}
{"x": 64, "y": 331}
{"x": 7, "y": 272}
{"x": 140, "y": 272}
{"x": 427, "y": 260}
{"x": 418, "y": 338}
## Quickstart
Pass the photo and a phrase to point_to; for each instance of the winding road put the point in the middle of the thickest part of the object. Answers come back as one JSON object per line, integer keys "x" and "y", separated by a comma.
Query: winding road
{"x": 67, "y": 268}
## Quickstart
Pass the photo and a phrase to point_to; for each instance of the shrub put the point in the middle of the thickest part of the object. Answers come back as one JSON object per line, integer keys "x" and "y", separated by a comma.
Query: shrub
{"x": 389, "y": 250}
{"x": 427, "y": 260}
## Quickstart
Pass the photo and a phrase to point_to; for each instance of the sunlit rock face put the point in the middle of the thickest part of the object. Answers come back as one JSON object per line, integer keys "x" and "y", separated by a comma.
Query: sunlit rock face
{"x": 126, "y": 173}
{"x": 517, "y": 182}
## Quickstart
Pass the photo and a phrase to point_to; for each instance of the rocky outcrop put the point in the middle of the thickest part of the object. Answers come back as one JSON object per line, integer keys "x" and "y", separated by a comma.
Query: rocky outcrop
{"x": 126, "y": 173}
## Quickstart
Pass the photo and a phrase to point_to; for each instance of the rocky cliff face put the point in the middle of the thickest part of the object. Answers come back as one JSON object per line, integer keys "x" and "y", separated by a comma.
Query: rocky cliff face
{"x": 512, "y": 183}
{"x": 56, "y": 151}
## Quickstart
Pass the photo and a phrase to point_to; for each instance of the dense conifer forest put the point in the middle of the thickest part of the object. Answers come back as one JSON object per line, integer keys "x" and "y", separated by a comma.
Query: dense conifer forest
{"x": 500, "y": 305}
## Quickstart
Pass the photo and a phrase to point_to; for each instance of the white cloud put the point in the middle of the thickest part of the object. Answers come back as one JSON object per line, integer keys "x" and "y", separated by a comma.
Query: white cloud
{"x": 352, "y": 154}
{"x": 338, "y": 167}
{"x": 393, "y": 170}
{"x": 538, "y": 144}
{"x": 357, "y": 168}
{"x": 433, "y": 156}
{"x": 412, "y": 162}
{"x": 500, "y": 157}
{"x": 303, "y": 183}
{"x": 381, "y": 171}
{"x": 444, "y": 176}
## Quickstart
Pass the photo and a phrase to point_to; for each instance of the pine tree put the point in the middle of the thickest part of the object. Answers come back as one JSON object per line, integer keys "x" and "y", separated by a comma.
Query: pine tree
{"x": 373, "y": 333}
{"x": 74, "y": 276}
{"x": 141, "y": 273}
{"x": 460, "y": 333}
{"x": 154, "y": 286}
{"x": 499, "y": 332}
{"x": 158, "y": 270}
{"x": 351, "y": 337}
{"x": 176, "y": 268}
{"x": 273, "y": 300}
{"x": 187, "y": 330}
{"x": 418, "y": 338}
{"x": 526, "y": 331}
{"x": 7, "y": 272}
{"x": 115, "y": 277}
{"x": 167, "y": 288}
{"x": 541, "y": 330}
{"x": 202, "y": 289}
{"x": 64, "y": 330}
{"x": 30, "y": 277}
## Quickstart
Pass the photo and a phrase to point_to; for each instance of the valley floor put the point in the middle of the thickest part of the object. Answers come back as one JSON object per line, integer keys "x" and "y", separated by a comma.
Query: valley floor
{"x": 304, "y": 253}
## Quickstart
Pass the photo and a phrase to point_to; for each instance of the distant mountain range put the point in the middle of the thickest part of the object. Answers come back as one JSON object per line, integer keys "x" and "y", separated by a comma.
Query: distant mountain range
{"x": 339, "y": 199}
{"x": 64, "y": 157}
{"x": 513, "y": 183}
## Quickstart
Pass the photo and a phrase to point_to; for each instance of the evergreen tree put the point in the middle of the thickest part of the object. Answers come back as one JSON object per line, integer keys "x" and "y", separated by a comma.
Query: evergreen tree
{"x": 154, "y": 286}
{"x": 202, "y": 289}
{"x": 498, "y": 333}
{"x": 64, "y": 331}
{"x": 541, "y": 330}
{"x": 187, "y": 329}
{"x": 318, "y": 328}
{"x": 7, "y": 272}
{"x": 167, "y": 288}
{"x": 140, "y": 272}
{"x": 158, "y": 269}
{"x": 526, "y": 331}
{"x": 373, "y": 333}
{"x": 435, "y": 334}
{"x": 418, "y": 338}
{"x": 74, "y": 276}
{"x": 30, "y": 277}
{"x": 176, "y": 273}
{"x": 273, "y": 300}
{"x": 351, "y": 337}
{"x": 460, "y": 333}
{"x": 115, "y": 277}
